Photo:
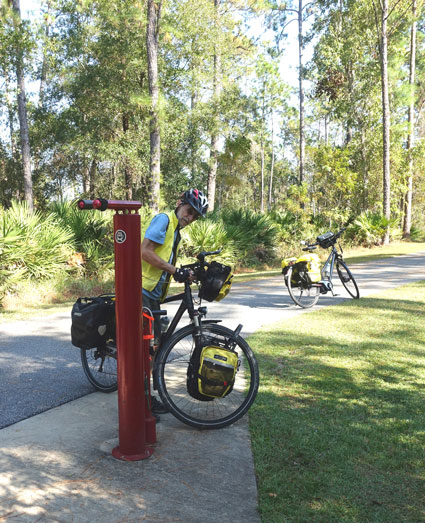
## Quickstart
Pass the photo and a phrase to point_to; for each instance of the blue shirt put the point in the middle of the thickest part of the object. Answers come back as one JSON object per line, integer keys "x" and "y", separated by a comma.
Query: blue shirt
{"x": 156, "y": 233}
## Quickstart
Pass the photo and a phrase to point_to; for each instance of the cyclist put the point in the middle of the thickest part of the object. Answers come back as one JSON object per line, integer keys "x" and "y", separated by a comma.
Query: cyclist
{"x": 159, "y": 256}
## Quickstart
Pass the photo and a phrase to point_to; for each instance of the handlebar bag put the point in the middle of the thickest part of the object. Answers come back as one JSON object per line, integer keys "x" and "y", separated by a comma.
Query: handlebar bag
{"x": 326, "y": 240}
{"x": 93, "y": 321}
{"x": 216, "y": 282}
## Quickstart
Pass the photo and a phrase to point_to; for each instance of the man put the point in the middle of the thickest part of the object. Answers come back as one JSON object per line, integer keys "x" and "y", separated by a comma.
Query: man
{"x": 159, "y": 256}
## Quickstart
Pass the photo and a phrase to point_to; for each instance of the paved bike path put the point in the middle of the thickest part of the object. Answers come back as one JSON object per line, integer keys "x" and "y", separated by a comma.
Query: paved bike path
{"x": 57, "y": 465}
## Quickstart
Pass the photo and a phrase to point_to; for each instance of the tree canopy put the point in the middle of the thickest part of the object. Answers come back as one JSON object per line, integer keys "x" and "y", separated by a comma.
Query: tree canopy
{"x": 228, "y": 120}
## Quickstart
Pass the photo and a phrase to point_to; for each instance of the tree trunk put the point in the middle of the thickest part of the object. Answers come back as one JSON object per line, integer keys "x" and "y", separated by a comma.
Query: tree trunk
{"x": 154, "y": 16}
{"x": 128, "y": 178}
{"x": 269, "y": 206}
{"x": 212, "y": 173}
{"x": 92, "y": 179}
{"x": 86, "y": 178}
{"x": 194, "y": 96}
{"x": 301, "y": 88}
{"x": 385, "y": 118}
{"x": 263, "y": 123}
{"x": 22, "y": 112}
{"x": 365, "y": 171}
{"x": 9, "y": 104}
{"x": 407, "y": 221}
{"x": 43, "y": 75}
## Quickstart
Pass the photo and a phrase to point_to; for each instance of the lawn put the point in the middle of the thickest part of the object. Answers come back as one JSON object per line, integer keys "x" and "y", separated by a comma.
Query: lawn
{"x": 338, "y": 427}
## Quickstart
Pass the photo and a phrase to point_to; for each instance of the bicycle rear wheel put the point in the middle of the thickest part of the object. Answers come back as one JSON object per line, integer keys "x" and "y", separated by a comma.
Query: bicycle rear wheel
{"x": 347, "y": 279}
{"x": 304, "y": 295}
{"x": 100, "y": 367}
{"x": 171, "y": 365}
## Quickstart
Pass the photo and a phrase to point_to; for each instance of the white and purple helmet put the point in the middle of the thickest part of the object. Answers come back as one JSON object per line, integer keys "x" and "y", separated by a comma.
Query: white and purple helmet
{"x": 197, "y": 200}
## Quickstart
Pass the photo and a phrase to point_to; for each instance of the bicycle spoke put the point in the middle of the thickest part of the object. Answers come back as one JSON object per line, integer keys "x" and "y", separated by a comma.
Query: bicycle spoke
{"x": 100, "y": 367}
{"x": 302, "y": 294}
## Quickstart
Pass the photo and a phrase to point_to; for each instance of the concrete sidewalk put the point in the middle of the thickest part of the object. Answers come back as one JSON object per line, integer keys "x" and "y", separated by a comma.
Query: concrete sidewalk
{"x": 57, "y": 466}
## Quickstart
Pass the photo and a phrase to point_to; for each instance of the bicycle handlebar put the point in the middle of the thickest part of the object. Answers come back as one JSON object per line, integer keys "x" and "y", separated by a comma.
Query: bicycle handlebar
{"x": 338, "y": 234}
{"x": 101, "y": 204}
{"x": 199, "y": 265}
{"x": 201, "y": 256}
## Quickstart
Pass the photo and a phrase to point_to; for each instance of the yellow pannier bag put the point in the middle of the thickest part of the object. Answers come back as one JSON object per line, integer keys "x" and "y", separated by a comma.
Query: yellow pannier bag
{"x": 313, "y": 266}
{"x": 217, "y": 370}
{"x": 287, "y": 262}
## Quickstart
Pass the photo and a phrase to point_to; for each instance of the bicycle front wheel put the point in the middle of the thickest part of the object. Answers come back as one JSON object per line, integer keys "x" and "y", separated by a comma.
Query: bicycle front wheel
{"x": 100, "y": 367}
{"x": 347, "y": 279}
{"x": 303, "y": 295}
{"x": 171, "y": 365}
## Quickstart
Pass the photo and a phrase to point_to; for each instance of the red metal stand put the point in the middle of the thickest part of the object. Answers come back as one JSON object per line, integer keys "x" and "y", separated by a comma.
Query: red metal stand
{"x": 150, "y": 421}
{"x": 135, "y": 421}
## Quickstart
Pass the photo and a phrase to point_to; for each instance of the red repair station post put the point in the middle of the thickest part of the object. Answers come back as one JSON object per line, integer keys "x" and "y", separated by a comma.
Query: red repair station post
{"x": 137, "y": 427}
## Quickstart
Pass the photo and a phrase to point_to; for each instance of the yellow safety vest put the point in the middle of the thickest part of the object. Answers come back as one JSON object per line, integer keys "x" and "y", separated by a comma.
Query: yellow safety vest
{"x": 150, "y": 274}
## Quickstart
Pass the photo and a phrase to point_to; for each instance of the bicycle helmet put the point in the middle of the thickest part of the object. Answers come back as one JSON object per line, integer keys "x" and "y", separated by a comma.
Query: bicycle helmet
{"x": 197, "y": 200}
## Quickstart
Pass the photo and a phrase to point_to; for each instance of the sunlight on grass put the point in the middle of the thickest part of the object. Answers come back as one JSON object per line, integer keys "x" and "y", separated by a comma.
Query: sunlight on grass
{"x": 363, "y": 254}
{"x": 338, "y": 424}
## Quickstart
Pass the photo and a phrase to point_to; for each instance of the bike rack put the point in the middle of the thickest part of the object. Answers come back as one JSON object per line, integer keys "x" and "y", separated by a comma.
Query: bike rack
{"x": 137, "y": 426}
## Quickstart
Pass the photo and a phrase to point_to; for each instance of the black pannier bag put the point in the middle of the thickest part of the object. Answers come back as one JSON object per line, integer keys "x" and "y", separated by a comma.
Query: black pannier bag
{"x": 93, "y": 321}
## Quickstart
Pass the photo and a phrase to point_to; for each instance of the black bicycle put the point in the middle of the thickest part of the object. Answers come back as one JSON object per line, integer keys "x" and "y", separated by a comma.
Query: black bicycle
{"x": 307, "y": 281}
{"x": 175, "y": 363}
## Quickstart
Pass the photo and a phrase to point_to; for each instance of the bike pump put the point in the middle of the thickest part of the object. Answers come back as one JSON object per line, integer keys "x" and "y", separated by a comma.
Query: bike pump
{"x": 136, "y": 424}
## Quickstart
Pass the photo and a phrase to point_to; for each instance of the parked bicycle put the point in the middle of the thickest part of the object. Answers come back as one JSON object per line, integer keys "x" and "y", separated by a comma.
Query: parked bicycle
{"x": 307, "y": 280}
{"x": 200, "y": 398}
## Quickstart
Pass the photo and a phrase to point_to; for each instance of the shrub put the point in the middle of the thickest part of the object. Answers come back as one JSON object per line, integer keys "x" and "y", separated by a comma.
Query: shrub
{"x": 417, "y": 234}
{"x": 369, "y": 229}
{"x": 207, "y": 235}
{"x": 91, "y": 234}
{"x": 254, "y": 235}
{"x": 32, "y": 246}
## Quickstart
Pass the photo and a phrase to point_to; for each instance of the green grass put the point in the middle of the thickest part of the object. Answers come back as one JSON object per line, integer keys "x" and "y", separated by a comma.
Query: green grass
{"x": 363, "y": 254}
{"x": 49, "y": 297}
{"x": 338, "y": 426}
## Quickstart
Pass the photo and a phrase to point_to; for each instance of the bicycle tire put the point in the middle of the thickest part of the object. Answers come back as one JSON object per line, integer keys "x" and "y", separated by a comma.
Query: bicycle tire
{"x": 305, "y": 297}
{"x": 171, "y": 363}
{"x": 347, "y": 279}
{"x": 100, "y": 367}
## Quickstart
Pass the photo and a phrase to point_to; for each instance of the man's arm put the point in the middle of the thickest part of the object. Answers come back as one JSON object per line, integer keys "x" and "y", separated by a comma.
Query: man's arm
{"x": 149, "y": 255}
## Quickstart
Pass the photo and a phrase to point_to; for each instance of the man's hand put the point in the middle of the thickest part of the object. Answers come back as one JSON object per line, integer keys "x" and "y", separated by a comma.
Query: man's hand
{"x": 181, "y": 275}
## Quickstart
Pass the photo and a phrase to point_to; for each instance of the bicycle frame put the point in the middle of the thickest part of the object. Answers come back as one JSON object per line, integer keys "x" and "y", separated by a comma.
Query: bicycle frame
{"x": 330, "y": 262}
{"x": 186, "y": 304}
